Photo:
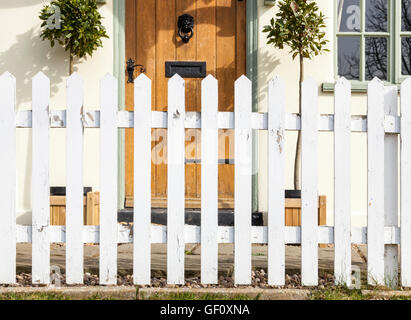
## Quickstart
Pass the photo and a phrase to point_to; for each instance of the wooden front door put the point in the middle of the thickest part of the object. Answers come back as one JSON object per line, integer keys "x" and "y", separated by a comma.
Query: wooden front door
{"x": 219, "y": 40}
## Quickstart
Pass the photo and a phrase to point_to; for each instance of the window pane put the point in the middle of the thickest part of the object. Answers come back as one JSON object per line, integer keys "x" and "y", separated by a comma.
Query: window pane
{"x": 349, "y": 57}
{"x": 376, "y": 15}
{"x": 376, "y": 58}
{"x": 406, "y": 56}
{"x": 349, "y": 16}
{"x": 406, "y": 15}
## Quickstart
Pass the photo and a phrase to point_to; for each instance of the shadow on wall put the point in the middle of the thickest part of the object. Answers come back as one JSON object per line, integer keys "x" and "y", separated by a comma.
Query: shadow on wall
{"x": 24, "y": 59}
{"x": 29, "y": 55}
{"x": 267, "y": 63}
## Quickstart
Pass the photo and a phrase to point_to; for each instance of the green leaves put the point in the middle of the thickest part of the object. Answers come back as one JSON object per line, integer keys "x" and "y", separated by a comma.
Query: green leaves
{"x": 81, "y": 30}
{"x": 299, "y": 25}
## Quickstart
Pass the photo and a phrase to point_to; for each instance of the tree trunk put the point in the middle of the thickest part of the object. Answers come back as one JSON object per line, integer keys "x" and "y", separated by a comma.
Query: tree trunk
{"x": 71, "y": 63}
{"x": 297, "y": 161}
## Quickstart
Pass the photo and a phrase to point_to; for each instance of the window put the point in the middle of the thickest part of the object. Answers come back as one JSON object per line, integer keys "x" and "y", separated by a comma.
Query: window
{"x": 374, "y": 39}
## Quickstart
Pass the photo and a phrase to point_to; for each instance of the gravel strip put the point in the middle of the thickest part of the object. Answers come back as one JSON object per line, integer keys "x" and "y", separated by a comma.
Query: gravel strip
{"x": 258, "y": 280}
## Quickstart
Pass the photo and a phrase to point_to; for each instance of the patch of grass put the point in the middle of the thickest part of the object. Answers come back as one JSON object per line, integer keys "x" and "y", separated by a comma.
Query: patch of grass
{"x": 344, "y": 293}
{"x": 258, "y": 254}
{"x": 203, "y": 296}
{"x": 337, "y": 293}
{"x": 33, "y": 296}
{"x": 400, "y": 298}
{"x": 98, "y": 296}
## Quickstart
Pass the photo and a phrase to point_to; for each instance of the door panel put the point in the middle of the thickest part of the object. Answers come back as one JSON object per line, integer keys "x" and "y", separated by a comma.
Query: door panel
{"x": 219, "y": 39}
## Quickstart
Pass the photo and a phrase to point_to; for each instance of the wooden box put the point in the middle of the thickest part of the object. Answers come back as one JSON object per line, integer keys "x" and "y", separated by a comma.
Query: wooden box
{"x": 293, "y": 212}
{"x": 91, "y": 210}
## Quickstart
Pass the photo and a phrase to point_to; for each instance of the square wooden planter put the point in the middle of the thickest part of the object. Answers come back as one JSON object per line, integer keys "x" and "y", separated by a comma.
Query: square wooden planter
{"x": 293, "y": 212}
{"x": 91, "y": 210}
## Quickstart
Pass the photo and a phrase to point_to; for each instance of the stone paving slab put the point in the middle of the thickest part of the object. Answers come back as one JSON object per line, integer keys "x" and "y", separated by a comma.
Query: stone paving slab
{"x": 192, "y": 258}
{"x": 133, "y": 293}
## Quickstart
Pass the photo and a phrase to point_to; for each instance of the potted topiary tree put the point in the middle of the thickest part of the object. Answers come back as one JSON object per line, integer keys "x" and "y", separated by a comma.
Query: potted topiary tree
{"x": 299, "y": 24}
{"x": 75, "y": 25}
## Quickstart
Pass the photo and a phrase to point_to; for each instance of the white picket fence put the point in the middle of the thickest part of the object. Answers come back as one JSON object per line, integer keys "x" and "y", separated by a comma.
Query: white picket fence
{"x": 382, "y": 235}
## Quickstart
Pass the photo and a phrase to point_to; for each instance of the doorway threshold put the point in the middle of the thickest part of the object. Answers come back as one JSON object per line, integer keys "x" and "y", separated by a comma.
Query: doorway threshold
{"x": 192, "y": 217}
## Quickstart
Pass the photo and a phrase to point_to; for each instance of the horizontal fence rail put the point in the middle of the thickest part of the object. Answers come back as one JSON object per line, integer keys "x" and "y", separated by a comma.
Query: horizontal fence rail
{"x": 225, "y": 120}
{"x": 192, "y": 234}
{"x": 382, "y": 235}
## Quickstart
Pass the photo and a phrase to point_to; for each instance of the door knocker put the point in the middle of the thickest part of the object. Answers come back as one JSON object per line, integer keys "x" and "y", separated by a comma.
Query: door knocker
{"x": 185, "y": 27}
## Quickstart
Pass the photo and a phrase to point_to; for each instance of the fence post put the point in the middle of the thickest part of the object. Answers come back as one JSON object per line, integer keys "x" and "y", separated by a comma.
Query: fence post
{"x": 175, "y": 181}
{"x": 391, "y": 188}
{"x": 375, "y": 215}
{"x": 74, "y": 181}
{"x": 142, "y": 180}
{"x": 342, "y": 182}
{"x": 242, "y": 180}
{"x": 40, "y": 180}
{"x": 276, "y": 182}
{"x": 8, "y": 179}
{"x": 209, "y": 180}
{"x": 406, "y": 183}
{"x": 108, "y": 180}
{"x": 309, "y": 183}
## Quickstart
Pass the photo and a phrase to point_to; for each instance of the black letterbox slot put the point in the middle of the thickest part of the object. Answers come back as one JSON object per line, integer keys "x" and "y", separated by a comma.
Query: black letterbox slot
{"x": 186, "y": 69}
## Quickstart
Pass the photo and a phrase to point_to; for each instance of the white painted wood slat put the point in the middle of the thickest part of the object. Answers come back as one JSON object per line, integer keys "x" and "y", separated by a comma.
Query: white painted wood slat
{"x": 8, "y": 179}
{"x": 276, "y": 182}
{"x": 342, "y": 182}
{"x": 309, "y": 183}
{"x": 74, "y": 180}
{"x": 108, "y": 180}
{"x": 391, "y": 187}
{"x": 406, "y": 183}
{"x": 142, "y": 181}
{"x": 209, "y": 180}
{"x": 242, "y": 181}
{"x": 375, "y": 212}
{"x": 40, "y": 180}
{"x": 175, "y": 180}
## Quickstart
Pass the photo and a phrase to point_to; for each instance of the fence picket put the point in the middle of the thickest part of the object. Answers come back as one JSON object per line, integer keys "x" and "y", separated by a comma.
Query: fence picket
{"x": 108, "y": 180}
{"x": 406, "y": 183}
{"x": 342, "y": 182}
{"x": 309, "y": 183}
{"x": 175, "y": 180}
{"x": 209, "y": 180}
{"x": 40, "y": 180}
{"x": 391, "y": 188}
{"x": 276, "y": 182}
{"x": 74, "y": 180}
{"x": 142, "y": 180}
{"x": 8, "y": 179}
{"x": 242, "y": 181}
{"x": 375, "y": 247}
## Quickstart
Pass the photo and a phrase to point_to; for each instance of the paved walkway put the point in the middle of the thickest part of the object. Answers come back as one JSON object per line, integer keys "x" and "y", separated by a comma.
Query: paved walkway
{"x": 192, "y": 258}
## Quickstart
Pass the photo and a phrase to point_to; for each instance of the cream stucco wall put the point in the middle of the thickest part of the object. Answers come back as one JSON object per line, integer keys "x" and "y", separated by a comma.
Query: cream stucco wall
{"x": 274, "y": 62}
{"x": 23, "y": 54}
